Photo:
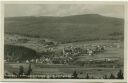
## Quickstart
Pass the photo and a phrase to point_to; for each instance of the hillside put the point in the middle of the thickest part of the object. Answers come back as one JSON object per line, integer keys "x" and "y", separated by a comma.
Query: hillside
{"x": 69, "y": 28}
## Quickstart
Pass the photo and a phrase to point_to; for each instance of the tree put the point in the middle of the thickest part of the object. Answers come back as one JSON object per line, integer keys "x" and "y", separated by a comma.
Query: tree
{"x": 21, "y": 70}
{"x": 112, "y": 76}
{"x": 29, "y": 69}
{"x": 120, "y": 75}
{"x": 105, "y": 77}
{"x": 87, "y": 77}
{"x": 75, "y": 75}
{"x": 6, "y": 75}
{"x": 92, "y": 77}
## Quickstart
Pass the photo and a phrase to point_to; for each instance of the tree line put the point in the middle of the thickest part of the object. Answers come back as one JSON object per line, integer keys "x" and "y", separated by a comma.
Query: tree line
{"x": 75, "y": 75}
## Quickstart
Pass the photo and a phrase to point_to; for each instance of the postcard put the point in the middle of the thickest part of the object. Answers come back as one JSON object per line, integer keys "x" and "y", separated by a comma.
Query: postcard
{"x": 63, "y": 40}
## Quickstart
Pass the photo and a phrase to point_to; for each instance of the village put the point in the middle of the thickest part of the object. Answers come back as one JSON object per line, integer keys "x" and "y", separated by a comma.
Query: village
{"x": 69, "y": 54}
{"x": 51, "y": 53}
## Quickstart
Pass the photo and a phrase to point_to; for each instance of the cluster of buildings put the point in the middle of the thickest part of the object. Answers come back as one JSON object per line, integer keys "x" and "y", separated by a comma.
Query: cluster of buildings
{"x": 67, "y": 55}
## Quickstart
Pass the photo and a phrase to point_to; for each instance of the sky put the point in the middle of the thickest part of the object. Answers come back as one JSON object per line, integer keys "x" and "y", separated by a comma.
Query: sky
{"x": 17, "y": 10}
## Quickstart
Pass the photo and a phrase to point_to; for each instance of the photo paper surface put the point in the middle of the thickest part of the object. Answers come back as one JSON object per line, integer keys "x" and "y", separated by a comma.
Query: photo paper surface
{"x": 66, "y": 40}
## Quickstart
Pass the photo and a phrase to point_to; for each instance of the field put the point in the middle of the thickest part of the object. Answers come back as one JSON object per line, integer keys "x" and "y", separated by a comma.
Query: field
{"x": 82, "y": 71}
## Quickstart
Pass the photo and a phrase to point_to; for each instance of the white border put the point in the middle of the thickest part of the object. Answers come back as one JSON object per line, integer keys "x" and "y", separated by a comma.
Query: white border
{"x": 64, "y": 2}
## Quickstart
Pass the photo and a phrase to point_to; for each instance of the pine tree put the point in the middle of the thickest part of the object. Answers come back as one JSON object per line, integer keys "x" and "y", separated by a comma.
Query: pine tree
{"x": 92, "y": 77}
{"x": 21, "y": 70}
{"x": 120, "y": 75}
{"x": 29, "y": 69}
{"x": 105, "y": 77}
{"x": 87, "y": 77}
{"x": 75, "y": 75}
{"x": 112, "y": 76}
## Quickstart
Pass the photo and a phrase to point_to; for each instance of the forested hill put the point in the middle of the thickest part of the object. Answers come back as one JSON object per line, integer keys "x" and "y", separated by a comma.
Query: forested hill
{"x": 19, "y": 53}
{"x": 68, "y": 28}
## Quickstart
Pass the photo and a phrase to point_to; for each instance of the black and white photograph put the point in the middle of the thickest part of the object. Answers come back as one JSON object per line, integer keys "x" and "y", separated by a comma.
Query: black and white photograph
{"x": 64, "y": 41}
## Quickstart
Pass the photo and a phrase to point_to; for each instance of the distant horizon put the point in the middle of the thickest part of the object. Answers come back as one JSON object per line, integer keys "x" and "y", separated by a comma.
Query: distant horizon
{"x": 64, "y": 16}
